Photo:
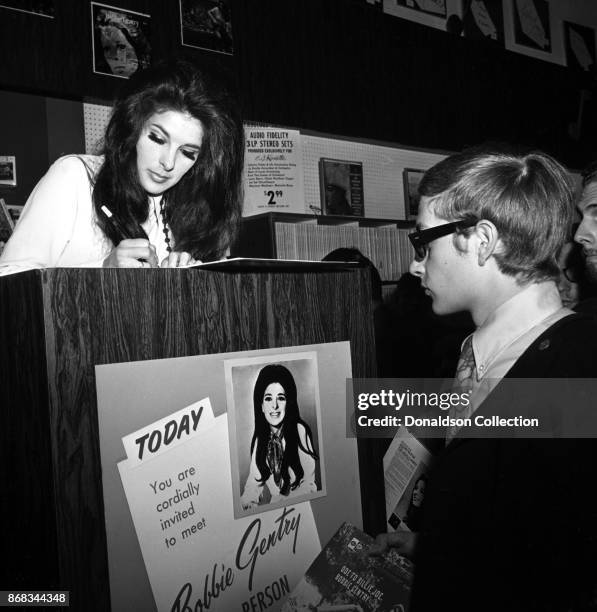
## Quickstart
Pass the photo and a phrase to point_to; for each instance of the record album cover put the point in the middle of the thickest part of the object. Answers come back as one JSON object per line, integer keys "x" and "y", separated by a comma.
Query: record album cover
{"x": 341, "y": 185}
{"x": 345, "y": 577}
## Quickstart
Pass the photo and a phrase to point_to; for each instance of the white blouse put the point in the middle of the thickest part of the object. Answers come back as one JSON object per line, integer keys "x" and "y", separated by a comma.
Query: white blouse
{"x": 58, "y": 226}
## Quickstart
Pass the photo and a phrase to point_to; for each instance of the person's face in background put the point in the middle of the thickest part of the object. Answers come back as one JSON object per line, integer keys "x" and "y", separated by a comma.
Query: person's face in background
{"x": 418, "y": 493}
{"x": 274, "y": 404}
{"x": 586, "y": 234}
{"x": 570, "y": 275}
{"x": 119, "y": 53}
{"x": 167, "y": 149}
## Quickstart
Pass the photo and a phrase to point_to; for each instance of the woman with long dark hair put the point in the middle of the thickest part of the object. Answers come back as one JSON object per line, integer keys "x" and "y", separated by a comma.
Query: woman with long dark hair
{"x": 170, "y": 176}
{"x": 282, "y": 454}
{"x": 413, "y": 513}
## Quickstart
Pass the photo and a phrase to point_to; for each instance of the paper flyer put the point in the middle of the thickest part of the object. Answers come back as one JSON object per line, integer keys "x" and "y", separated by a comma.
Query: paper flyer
{"x": 198, "y": 557}
{"x": 273, "y": 174}
{"x": 405, "y": 465}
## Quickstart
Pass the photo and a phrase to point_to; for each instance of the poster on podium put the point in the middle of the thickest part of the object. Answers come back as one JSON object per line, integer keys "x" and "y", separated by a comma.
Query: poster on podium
{"x": 177, "y": 483}
{"x": 168, "y": 458}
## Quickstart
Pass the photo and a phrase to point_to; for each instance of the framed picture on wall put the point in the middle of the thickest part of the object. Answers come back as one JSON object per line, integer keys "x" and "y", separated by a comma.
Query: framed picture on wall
{"x": 120, "y": 41}
{"x": 435, "y": 7}
{"x": 411, "y": 177}
{"x": 484, "y": 20}
{"x": 580, "y": 46}
{"x": 8, "y": 170}
{"x": 529, "y": 28}
{"x": 433, "y": 13}
{"x": 532, "y": 24}
{"x": 206, "y": 24}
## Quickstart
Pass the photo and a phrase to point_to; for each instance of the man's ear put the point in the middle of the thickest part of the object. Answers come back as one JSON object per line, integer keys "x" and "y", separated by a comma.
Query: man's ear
{"x": 488, "y": 240}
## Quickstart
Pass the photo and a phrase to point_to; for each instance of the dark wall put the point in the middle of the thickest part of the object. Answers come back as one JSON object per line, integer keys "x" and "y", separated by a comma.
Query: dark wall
{"x": 23, "y": 129}
{"x": 37, "y": 130}
{"x": 336, "y": 66}
{"x": 65, "y": 128}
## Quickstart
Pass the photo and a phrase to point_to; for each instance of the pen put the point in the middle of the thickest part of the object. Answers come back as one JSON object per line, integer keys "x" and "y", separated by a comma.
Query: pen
{"x": 119, "y": 229}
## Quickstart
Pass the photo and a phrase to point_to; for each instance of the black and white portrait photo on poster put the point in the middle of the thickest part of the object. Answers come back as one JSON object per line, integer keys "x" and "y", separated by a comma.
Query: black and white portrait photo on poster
{"x": 274, "y": 419}
{"x": 407, "y": 513}
{"x": 42, "y": 8}
{"x": 206, "y": 24}
{"x": 120, "y": 41}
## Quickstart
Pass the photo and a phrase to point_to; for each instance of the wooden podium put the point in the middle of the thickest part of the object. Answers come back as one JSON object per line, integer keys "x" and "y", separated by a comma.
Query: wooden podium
{"x": 57, "y": 324}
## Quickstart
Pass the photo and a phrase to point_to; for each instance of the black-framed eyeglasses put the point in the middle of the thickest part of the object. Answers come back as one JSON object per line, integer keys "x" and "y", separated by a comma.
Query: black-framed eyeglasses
{"x": 421, "y": 238}
{"x": 573, "y": 274}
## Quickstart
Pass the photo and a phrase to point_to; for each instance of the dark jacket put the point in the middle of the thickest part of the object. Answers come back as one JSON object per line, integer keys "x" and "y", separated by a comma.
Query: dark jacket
{"x": 511, "y": 524}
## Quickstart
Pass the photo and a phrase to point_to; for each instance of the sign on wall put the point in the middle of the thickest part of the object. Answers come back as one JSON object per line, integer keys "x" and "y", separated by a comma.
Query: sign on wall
{"x": 273, "y": 175}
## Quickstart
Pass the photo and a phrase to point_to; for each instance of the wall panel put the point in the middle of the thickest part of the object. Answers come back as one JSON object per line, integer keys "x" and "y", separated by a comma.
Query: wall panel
{"x": 334, "y": 66}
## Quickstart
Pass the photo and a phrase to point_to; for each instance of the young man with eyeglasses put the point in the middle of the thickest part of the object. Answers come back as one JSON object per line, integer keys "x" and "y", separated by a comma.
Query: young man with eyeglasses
{"x": 508, "y": 524}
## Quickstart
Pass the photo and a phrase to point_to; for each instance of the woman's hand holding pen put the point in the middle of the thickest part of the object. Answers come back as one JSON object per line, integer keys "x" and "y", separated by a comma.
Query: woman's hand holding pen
{"x": 132, "y": 253}
{"x": 178, "y": 259}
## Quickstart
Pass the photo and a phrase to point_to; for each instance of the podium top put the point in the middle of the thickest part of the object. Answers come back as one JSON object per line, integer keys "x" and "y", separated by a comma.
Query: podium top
{"x": 238, "y": 264}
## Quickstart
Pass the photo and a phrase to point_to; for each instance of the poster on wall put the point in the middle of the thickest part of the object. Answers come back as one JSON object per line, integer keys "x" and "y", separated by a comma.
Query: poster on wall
{"x": 164, "y": 433}
{"x": 275, "y": 429}
{"x": 120, "y": 41}
{"x": 206, "y": 24}
{"x": 580, "y": 46}
{"x": 273, "y": 173}
{"x": 43, "y": 8}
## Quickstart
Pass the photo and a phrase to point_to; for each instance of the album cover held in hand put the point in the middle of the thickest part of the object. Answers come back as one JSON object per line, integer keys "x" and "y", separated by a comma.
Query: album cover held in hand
{"x": 341, "y": 184}
{"x": 344, "y": 577}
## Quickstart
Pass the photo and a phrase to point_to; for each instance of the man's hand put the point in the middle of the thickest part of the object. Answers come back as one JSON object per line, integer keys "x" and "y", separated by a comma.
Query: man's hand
{"x": 403, "y": 541}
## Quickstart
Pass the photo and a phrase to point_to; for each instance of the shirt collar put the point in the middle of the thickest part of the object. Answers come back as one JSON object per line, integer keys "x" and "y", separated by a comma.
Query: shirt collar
{"x": 512, "y": 319}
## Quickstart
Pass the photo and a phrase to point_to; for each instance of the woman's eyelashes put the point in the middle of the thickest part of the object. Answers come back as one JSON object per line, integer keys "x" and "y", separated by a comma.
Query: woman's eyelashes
{"x": 156, "y": 138}
{"x": 190, "y": 153}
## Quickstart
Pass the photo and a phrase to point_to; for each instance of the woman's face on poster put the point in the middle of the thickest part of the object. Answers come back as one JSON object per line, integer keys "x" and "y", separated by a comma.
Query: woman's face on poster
{"x": 418, "y": 493}
{"x": 119, "y": 53}
{"x": 274, "y": 404}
